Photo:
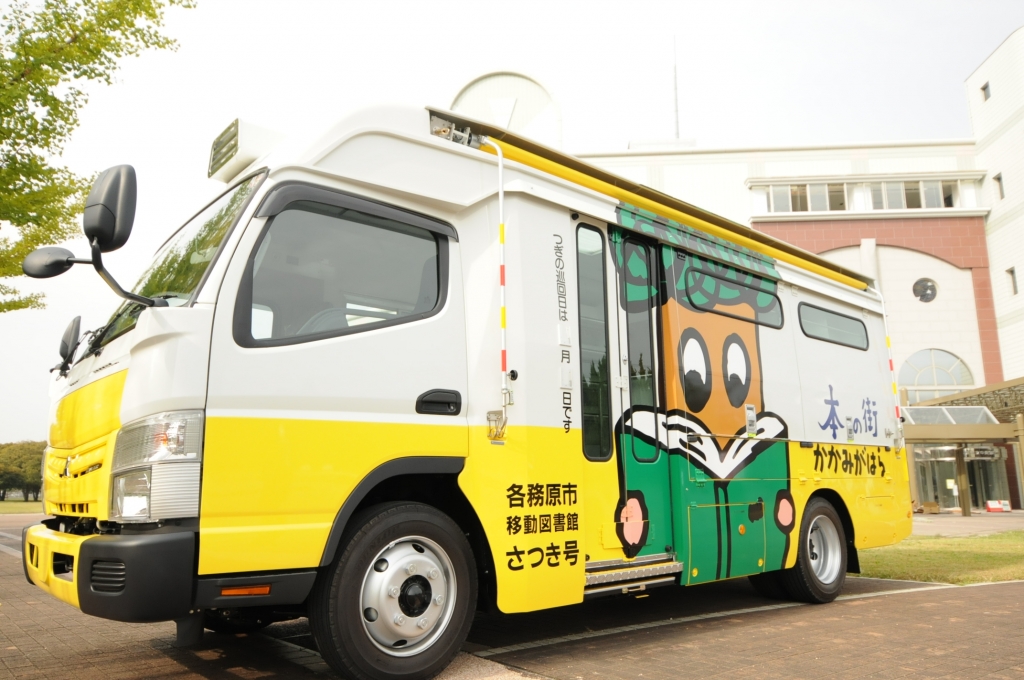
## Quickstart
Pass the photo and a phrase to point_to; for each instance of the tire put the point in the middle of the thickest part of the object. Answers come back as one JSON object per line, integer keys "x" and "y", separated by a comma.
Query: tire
{"x": 820, "y": 570}
{"x": 367, "y": 610}
{"x": 768, "y": 585}
{"x": 228, "y": 622}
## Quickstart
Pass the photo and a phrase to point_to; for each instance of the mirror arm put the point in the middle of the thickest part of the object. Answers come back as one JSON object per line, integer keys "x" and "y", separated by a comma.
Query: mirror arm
{"x": 97, "y": 263}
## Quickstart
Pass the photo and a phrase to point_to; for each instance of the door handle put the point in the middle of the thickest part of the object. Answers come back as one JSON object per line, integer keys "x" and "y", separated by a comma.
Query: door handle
{"x": 440, "y": 403}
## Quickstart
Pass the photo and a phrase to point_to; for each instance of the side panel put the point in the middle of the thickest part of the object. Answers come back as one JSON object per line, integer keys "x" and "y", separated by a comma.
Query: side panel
{"x": 734, "y": 482}
{"x": 529, "y": 490}
{"x": 871, "y": 480}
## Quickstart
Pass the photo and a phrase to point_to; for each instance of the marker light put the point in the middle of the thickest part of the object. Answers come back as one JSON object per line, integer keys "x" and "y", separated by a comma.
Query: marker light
{"x": 173, "y": 436}
{"x": 238, "y": 591}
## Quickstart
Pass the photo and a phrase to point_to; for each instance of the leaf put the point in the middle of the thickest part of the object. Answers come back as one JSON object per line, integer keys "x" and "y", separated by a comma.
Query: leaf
{"x": 47, "y": 55}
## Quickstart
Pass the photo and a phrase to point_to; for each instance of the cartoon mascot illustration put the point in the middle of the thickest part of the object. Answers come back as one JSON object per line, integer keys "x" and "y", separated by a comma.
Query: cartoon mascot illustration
{"x": 734, "y": 511}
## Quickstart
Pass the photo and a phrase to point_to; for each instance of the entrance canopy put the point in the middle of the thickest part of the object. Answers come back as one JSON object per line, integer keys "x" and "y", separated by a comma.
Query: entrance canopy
{"x": 961, "y": 422}
{"x": 1004, "y": 400}
{"x": 928, "y": 424}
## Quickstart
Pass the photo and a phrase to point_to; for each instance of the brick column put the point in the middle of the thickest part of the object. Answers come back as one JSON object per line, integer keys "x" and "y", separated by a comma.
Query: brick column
{"x": 986, "y": 308}
{"x": 957, "y": 240}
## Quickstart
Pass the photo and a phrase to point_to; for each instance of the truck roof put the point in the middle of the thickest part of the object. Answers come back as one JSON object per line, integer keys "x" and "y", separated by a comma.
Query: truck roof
{"x": 545, "y": 158}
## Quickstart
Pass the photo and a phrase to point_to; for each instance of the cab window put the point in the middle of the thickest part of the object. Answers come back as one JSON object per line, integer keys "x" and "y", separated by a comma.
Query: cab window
{"x": 321, "y": 271}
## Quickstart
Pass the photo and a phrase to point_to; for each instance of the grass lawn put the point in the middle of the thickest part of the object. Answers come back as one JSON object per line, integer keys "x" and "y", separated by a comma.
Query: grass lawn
{"x": 16, "y": 507}
{"x": 970, "y": 559}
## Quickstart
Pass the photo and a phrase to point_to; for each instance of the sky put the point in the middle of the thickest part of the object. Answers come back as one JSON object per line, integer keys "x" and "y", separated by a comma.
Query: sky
{"x": 761, "y": 73}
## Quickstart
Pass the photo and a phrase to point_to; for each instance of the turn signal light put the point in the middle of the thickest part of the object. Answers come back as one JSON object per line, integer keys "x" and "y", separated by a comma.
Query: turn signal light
{"x": 237, "y": 591}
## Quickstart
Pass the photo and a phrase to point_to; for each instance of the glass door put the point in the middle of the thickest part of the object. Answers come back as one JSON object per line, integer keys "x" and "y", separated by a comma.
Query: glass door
{"x": 644, "y": 513}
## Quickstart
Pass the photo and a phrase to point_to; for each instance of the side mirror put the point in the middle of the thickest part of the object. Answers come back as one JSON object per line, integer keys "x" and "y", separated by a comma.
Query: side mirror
{"x": 110, "y": 208}
{"x": 69, "y": 342}
{"x": 108, "y": 218}
{"x": 43, "y": 263}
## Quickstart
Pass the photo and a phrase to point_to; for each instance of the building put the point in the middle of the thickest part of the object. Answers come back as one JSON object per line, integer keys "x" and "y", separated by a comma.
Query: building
{"x": 938, "y": 224}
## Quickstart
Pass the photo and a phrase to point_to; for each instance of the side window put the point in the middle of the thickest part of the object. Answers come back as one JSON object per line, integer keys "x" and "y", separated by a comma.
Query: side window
{"x": 593, "y": 294}
{"x": 322, "y": 270}
{"x": 831, "y": 326}
{"x": 725, "y": 290}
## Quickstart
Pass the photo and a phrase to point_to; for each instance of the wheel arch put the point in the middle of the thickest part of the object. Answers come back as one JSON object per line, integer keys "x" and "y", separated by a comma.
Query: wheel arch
{"x": 431, "y": 480}
{"x": 837, "y": 502}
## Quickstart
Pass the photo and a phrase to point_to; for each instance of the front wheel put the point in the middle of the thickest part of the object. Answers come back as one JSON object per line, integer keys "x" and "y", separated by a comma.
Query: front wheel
{"x": 399, "y": 601}
{"x": 820, "y": 570}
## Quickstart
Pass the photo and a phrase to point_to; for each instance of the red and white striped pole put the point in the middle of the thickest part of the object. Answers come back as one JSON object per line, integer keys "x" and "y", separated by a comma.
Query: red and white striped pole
{"x": 506, "y": 393}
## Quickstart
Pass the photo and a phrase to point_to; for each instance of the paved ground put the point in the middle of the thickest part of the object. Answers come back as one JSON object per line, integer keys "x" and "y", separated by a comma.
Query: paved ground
{"x": 877, "y": 629}
{"x": 978, "y": 524}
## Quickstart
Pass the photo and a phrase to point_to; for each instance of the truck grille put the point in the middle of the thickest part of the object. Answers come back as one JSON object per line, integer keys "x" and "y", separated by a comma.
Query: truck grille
{"x": 108, "y": 577}
{"x": 72, "y": 508}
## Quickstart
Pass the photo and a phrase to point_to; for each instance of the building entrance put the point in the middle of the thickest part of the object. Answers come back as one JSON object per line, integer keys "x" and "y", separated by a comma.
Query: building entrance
{"x": 937, "y": 475}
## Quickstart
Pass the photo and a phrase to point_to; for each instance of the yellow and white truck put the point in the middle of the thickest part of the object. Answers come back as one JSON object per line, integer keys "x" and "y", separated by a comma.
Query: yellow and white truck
{"x": 425, "y": 365}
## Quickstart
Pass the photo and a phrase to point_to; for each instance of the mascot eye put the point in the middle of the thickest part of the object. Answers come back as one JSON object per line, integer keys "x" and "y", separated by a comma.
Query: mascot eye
{"x": 736, "y": 369}
{"x": 694, "y": 370}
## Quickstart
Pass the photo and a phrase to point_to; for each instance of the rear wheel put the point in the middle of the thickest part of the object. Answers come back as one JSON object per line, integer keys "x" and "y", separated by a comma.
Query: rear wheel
{"x": 399, "y": 600}
{"x": 820, "y": 570}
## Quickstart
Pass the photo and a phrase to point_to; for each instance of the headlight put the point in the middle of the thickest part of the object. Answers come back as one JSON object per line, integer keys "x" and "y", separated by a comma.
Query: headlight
{"x": 157, "y": 468}
{"x": 131, "y": 494}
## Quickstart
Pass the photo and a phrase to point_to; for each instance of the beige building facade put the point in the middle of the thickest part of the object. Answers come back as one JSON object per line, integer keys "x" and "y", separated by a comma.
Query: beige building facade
{"x": 939, "y": 225}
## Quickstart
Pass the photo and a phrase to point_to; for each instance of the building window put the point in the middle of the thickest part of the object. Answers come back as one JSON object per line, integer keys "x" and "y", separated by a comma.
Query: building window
{"x": 894, "y": 196}
{"x": 780, "y": 199}
{"x": 1011, "y": 273}
{"x": 933, "y": 373}
{"x": 877, "y": 198}
{"x": 950, "y": 197}
{"x": 986, "y": 91}
{"x": 837, "y": 197}
{"x": 932, "y": 194}
{"x": 925, "y": 290}
{"x": 819, "y": 197}
{"x": 998, "y": 179}
{"x": 798, "y": 194}
{"x": 912, "y": 194}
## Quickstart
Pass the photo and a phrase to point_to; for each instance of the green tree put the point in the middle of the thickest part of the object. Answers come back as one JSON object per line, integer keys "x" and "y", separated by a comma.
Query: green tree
{"x": 49, "y": 50}
{"x": 22, "y": 462}
{"x": 10, "y": 478}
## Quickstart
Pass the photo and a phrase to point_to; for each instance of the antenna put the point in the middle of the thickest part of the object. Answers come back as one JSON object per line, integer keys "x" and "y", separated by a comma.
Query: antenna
{"x": 675, "y": 83}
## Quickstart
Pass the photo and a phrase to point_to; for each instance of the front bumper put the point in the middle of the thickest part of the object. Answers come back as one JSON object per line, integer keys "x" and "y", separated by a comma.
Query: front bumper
{"x": 135, "y": 578}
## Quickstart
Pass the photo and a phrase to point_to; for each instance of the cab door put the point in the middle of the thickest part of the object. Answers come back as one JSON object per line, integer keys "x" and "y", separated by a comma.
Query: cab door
{"x": 643, "y": 518}
{"x": 338, "y": 345}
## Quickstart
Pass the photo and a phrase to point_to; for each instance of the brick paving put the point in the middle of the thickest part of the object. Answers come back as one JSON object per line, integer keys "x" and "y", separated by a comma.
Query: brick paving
{"x": 955, "y": 632}
{"x": 41, "y": 637}
{"x": 978, "y": 524}
{"x": 960, "y": 632}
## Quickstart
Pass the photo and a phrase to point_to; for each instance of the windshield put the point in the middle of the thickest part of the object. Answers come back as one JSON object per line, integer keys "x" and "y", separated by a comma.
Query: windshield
{"x": 181, "y": 262}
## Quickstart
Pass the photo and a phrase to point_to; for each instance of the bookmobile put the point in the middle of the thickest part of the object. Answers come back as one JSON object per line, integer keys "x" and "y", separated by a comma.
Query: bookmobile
{"x": 426, "y": 366}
